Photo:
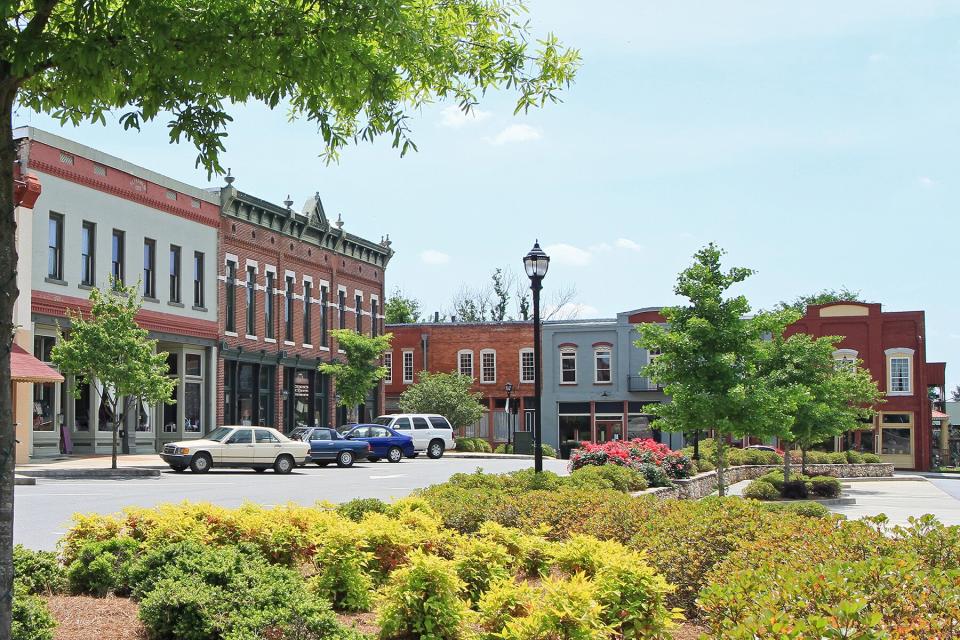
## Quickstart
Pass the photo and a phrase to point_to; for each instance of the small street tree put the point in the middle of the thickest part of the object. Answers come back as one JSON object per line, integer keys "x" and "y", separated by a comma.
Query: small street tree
{"x": 955, "y": 394}
{"x": 355, "y": 378}
{"x": 445, "y": 393}
{"x": 824, "y": 296}
{"x": 709, "y": 357}
{"x": 110, "y": 351}
{"x": 401, "y": 309}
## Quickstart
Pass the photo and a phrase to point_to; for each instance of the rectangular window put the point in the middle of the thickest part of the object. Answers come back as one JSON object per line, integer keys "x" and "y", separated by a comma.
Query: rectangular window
{"x": 288, "y": 311}
{"x": 251, "y": 301}
{"x": 231, "y": 303}
{"x": 373, "y": 318}
{"x": 465, "y": 363}
{"x": 358, "y": 305}
{"x": 307, "y": 306}
{"x": 268, "y": 306}
{"x": 55, "y": 247}
{"x": 900, "y": 374}
{"x": 324, "y": 300}
{"x": 568, "y": 367}
{"x": 488, "y": 366}
{"x": 88, "y": 239}
{"x": 198, "y": 279}
{"x": 527, "y": 369}
{"x": 117, "y": 258}
{"x": 342, "y": 307}
{"x": 149, "y": 268}
{"x": 175, "y": 273}
{"x": 602, "y": 366}
{"x": 388, "y": 363}
{"x": 407, "y": 367}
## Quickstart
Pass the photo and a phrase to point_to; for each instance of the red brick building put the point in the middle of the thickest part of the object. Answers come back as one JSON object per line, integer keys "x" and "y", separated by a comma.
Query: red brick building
{"x": 286, "y": 280}
{"x": 492, "y": 353}
{"x": 892, "y": 345}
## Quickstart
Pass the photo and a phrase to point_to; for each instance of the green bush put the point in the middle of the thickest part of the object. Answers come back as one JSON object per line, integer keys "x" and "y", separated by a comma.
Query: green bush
{"x": 342, "y": 571}
{"x": 180, "y": 609}
{"x": 102, "y": 567}
{"x": 761, "y": 490}
{"x": 633, "y": 597}
{"x": 802, "y": 508}
{"x": 584, "y": 554}
{"x": 358, "y": 507}
{"x": 530, "y": 554}
{"x": 854, "y": 457}
{"x": 38, "y": 572}
{"x": 31, "y": 618}
{"x": 825, "y": 486}
{"x": 654, "y": 475}
{"x": 529, "y": 480}
{"x": 704, "y": 465}
{"x": 504, "y": 448}
{"x": 504, "y": 601}
{"x": 775, "y": 478}
{"x": 548, "y": 451}
{"x": 422, "y": 600}
{"x": 818, "y": 457}
{"x": 607, "y": 476}
{"x": 564, "y": 608}
{"x": 837, "y": 457}
{"x": 759, "y": 457}
{"x": 481, "y": 445}
{"x": 479, "y": 562}
{"x": 871, "y": 458}
{"x": 465, "y": 444}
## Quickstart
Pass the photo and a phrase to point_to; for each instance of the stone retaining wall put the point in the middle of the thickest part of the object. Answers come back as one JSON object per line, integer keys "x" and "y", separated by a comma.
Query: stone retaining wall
{"x": 706, "y": 483}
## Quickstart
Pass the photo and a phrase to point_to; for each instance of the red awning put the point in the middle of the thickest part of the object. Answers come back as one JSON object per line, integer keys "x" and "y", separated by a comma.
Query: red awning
{"x": 940, "y": 415}
{"x": 25, "y": 368}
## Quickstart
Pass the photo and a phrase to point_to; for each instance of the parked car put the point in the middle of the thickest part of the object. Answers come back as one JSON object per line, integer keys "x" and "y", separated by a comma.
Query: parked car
{"x": 762, "y": 447}
{"x": 384, "y": 442}
{"x": 430, "y": 432}
{"x": 258, "y": 448}
{"x": 327, "y": 445}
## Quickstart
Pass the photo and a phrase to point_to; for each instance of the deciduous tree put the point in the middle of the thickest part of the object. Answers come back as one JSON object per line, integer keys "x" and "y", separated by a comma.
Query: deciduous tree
{"x": 401, "y": 309}
{"x": 824, "y": 296}
{"x": 445, "y": 393}
{"x": 108, "y": 350}
{"x": 357, "y": 70}
{"x": 359, "y": 375}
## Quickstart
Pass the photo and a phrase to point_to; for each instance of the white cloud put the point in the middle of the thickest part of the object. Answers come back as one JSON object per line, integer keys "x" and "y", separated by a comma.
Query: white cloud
{"x": 517, "y": 133}
{"x": 927, "y": 182}
{"x": 432, "y": 256}
{"x": 603, "y": 247}
{"x": 454, "y": 117}
{"x": 567, "y": 254}
{"x": 626, "y": 243}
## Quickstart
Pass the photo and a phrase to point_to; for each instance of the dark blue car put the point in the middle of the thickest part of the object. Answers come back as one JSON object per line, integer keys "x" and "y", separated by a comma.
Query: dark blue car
{"x": 384, "y": 442}
{"x": 327, "y": 445}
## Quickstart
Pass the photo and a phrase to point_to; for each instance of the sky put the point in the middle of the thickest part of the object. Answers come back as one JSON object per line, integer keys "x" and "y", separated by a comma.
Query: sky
{"x": 815, "y": 141}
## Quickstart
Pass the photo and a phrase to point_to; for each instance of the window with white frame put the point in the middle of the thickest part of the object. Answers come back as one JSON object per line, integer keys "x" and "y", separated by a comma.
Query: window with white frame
{"x": 568, "y": 366}
{"x": 602, "y": 365}
{"x": 408, "y": 367}
{"x": 528, "y": 369}
{"x": 465, "y": 362}
{"x": 845, "y": 360}
{"x": 899, "y": 366}
{"x": 488, "y": 366}
{"x": 388, "y": 363}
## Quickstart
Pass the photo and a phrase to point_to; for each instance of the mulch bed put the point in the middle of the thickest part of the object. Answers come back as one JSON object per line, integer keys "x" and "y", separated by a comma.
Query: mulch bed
{"x": 86, "y": 618}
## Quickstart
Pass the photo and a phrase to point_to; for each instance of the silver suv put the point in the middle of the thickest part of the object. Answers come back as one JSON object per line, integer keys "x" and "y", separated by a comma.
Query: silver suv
{"x": 430, "y": 432}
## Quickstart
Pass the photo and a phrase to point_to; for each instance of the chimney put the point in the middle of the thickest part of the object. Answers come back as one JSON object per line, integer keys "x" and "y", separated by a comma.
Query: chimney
{"x": 453, "y": 318}
{"x": 436, "y": 316}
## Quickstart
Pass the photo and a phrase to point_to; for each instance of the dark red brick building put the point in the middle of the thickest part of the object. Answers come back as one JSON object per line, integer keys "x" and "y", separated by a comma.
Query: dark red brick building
{"x": 492, "y": 353}
{"x": 892, "y": 345}
{"x": 287, "y": 279}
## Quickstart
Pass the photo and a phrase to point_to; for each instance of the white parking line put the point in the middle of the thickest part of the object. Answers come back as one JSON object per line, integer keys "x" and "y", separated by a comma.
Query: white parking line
{"x": 395, "y": 475}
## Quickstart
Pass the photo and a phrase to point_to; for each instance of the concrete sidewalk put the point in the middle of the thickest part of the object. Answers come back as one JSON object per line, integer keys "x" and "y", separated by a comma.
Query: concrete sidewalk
{"x": 73, "y": 467}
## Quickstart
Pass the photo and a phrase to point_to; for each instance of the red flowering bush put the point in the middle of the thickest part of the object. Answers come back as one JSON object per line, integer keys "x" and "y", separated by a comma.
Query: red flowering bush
{"x": 637, "y": 454}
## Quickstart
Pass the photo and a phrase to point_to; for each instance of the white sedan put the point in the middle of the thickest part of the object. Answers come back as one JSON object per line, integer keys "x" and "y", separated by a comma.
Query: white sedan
{"x": 258, "y": 448}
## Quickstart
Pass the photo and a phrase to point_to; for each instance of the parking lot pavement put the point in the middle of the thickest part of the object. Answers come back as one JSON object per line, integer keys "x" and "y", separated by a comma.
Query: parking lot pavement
{"x": 899, "y": 500}
{"x": 43, "y": 511}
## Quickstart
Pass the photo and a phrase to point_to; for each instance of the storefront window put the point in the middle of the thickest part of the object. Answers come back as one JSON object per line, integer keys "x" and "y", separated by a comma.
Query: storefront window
{"x": 105, "y": 415}
{"x": 43, "y": 406}
{"x": 192, "y": 394}
{"x": 638, "y": 426}
{"x": 81, "y": 408}
{"x": 170, "y": 412}
{"x": 268, "y": 375}
{"x": 245, "y": 390}
{"x": 143, "y": 418}
{"x": 320, "y": 401}
{"x": 194, "y": 364}
{"x": 609, "y": 428}
{"x": 301, "y": 399}
{"x": 575, "y": 428}
{"x": 896, "y": 441}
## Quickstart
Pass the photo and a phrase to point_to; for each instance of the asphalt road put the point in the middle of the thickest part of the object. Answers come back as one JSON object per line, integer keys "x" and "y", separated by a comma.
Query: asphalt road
{"x": 43, "y": 512}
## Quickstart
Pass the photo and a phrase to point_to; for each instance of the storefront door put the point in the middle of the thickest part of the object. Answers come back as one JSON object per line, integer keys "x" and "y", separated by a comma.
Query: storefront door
{"x": 896, "y": 439}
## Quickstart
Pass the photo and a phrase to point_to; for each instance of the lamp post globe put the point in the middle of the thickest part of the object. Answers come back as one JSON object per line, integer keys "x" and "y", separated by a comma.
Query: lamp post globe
{"x": 536, "y": 263}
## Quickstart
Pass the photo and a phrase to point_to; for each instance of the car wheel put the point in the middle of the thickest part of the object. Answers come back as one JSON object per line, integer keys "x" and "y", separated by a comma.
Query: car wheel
{"x": 201, "y": 463}
{"x": 395, "y": 454}
{"x": 284, "y": 464}
{"x": 322, "y": 463}
{"x": 435, "y": 450}
{"x": 178, "y": 469}
{"x": 345, "y": 459}
{"x": 259, "y": 469}
{"x": 373, "y": 459}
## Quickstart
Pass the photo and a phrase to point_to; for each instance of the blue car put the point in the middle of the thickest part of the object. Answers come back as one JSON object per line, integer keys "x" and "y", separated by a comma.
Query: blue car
{"x": 384, "y": 442}
{"x": 327, "y": 445}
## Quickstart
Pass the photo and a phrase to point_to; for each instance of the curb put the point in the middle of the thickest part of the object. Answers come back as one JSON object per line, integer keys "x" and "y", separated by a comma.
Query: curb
{"x": 90, "y": 474}
{"x": 886, "y": 479}
{"x": 489, "y": 456}
{"x": 22, "y": 481}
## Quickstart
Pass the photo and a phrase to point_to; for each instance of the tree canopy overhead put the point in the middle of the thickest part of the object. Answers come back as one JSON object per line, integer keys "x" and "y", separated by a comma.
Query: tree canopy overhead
{"x": 356, "y": 68}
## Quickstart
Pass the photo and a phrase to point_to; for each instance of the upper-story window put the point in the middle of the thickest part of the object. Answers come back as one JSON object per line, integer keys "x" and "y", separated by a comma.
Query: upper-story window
{"x": 231, "y": 294}
{"x": 88, "y": 244}
{"x": 388, "y": 364}
{"x": 174, "y": 273}
{"x": 117, "y": 259}
{"x": 845, "y": 359}
{"x": 568, "y": 365}
{"x": 288, "y": 311}
{"x": 359, "y": 308}
{"x": 488, "y": 366}
{"x": 602, "y": 365}
{"x": 149, "y": 268}
{"x": 528, "y": 369}
{"x": 465, "y": 362}
{"x": 268, "y": 302}
{"x": 55, "y": 247}
{"x": 251, "y": 301}
{"x": 899, "y": 371}
{"x": 307, "y": 306}
{"x": 373, "y": 318}
{"x": 198, "y": 280}
{"x": 408, "y": 367}
{"x": 342, "y": 308}
{"x": 324, "y": 303}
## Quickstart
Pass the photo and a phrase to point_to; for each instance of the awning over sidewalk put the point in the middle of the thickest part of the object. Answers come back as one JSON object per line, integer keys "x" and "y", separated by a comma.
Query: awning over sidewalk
{"x": 940, "y": 415}
{"x": 25, "y": 368}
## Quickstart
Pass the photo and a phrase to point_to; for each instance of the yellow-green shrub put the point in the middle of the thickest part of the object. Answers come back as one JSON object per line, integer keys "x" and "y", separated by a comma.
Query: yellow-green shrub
{"x": 503, "y": 601}
{"x": 529, "y": 553}
{"x": 480, "y": 562}
{"x": 565, "y": 608}
{"x": 342, "y": 576}
{"x": 422, "y": 600}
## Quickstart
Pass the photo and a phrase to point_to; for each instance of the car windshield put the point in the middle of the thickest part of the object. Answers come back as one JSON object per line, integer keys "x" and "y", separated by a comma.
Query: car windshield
{"x": 384, "y": 420}
{"x": 219, "y": 434}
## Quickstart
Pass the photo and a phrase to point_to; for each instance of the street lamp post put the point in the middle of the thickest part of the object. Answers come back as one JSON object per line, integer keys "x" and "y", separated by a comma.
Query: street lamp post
{"x": 509, "y": 389}
{"x": 536, "y": 264}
